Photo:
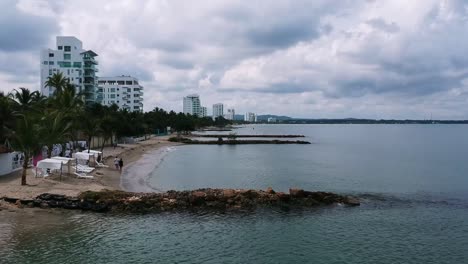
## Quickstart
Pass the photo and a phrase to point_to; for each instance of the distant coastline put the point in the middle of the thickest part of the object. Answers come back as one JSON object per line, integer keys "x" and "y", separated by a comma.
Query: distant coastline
{"x": 368, "y": 121}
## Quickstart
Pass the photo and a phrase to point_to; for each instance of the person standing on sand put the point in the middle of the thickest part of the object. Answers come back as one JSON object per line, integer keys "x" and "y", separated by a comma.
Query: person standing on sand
{"x": 116, "y": 163}
{"x": 120, "y": 165}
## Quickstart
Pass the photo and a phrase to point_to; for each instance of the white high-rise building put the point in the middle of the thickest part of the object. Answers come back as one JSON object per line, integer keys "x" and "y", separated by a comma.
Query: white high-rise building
{"x": 230, "y": 114}
{"x": 203, "y": 111}
{"x": 192, "y": 105}
{"x": 218, "y": 110}
{"x": 250, "y": 117}
{"x": 75, "y": 63}
{"x": 123, "y": 91}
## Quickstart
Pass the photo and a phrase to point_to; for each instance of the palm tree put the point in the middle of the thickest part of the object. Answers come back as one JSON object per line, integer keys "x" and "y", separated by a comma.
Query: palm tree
{"x": 26, "y": 139}
{"x": 54, "y": 129}
{"x": 57, "y": 81}
{"x": 6, "y": 117}
{"x": 25, "y": 100}
{"x": 90, "y": 126}
{"x": 72, "y": 105}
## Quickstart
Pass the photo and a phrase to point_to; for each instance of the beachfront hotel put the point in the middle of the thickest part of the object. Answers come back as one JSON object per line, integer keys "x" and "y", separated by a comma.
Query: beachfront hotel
{"x": 250, "y": 117}
{"x": 230, "y": 114}
{"x": 74, "y": 62}
{"x": 192, "y": 105}
{"x": 218, "y": 110}
{"x": 124, "y": 91}
{"x": 203, "y": 111}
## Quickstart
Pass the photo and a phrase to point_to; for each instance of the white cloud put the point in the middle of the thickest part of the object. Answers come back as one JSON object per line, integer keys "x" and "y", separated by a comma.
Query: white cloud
{"x": 389, "y": 58}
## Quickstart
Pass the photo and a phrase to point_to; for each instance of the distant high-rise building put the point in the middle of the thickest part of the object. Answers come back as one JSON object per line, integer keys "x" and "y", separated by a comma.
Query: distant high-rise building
{"x": 75, "y": 63}
{"x": 230, "y": 114}
{"x": 123, "y": 91}
{"x": 272, "y": 120}
{"x": 203, "y": 111}
{"x": 218, "y": 110}
{"x": 250, "y": 117}
{"x": 192, "y": 105}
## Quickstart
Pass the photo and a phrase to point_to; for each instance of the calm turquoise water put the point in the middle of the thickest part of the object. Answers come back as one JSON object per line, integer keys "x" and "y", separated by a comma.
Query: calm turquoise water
{"x": 413, "y": 181}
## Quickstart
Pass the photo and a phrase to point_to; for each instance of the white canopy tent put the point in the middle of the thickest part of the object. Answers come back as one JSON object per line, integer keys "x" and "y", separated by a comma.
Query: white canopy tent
{"x": 65, "y": 161}
{"x": 85, "y": 158}
{"x": 49, "y": 164}
{"x": 96, "y": 153}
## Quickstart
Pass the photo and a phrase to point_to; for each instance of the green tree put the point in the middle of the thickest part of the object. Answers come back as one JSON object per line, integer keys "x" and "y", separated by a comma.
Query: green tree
{"x": 27, "y": 139}
{"x": 25, "y": 100}
{"x": 54, "y": 129}
{"x": 57, "y": 81}
{"x": 6, "y": 117}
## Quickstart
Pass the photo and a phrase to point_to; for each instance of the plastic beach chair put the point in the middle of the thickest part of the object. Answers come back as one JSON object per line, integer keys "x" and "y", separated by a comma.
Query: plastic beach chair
{"x": 81, "y": 175}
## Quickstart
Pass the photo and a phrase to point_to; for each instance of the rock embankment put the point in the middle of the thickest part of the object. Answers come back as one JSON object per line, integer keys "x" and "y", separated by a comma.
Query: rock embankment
{"x": 222, "y": 141}
{"x": 214, "y": 199}
{"x": 247, "y": 136}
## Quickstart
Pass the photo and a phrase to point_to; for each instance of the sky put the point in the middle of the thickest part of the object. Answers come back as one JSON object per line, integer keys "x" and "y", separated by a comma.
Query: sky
{"x": 309, "y": 59}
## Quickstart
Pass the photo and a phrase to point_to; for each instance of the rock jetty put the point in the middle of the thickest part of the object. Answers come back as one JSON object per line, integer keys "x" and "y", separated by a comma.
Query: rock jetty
{"x": 247, "y": 136}
{"x": 204, "y": 199}
{"x": 222, "y": 141}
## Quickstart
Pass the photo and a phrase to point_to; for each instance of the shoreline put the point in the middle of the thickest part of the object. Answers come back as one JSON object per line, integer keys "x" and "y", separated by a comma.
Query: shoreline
{"x": 135, "y": 175}
{"x": 104, "y": 178}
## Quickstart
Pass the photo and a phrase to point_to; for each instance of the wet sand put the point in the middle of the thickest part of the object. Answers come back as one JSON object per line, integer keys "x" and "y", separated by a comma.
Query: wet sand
{"x": 104, "y": 178}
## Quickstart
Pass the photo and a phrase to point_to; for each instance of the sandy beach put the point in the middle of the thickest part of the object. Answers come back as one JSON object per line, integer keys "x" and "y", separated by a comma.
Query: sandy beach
{"x": 104, "y": 178}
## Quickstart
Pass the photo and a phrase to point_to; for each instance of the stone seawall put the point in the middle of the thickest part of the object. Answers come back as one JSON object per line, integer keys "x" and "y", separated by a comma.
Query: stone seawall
{"x": 211, "y": 199}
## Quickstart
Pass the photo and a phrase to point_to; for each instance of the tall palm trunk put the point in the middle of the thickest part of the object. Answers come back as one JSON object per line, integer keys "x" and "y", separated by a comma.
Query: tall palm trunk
{"x": 25, "y": 168}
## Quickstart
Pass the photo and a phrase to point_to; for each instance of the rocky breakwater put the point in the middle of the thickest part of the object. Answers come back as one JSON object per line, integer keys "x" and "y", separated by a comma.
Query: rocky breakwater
{"x": 222, "y": 141}
{"x": 209, "y": 199}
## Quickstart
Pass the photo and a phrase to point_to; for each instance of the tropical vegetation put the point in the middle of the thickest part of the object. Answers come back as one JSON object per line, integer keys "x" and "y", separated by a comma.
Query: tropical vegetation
{"x": 30, "y": 122}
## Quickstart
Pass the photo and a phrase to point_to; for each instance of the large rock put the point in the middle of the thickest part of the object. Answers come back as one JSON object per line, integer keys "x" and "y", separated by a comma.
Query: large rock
{"x": 296, "y": 193}
{"x": 229, "y": 193}
{"x": 352, "y": 201}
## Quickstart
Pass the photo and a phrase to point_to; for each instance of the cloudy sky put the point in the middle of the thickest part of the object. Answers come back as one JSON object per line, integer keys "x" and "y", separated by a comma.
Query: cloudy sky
{"x": 356, "y": 58}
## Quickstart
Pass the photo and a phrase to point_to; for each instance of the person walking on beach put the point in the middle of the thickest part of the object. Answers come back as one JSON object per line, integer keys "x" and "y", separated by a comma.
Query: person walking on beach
{"x": 116, "y": 163}
{"x": 121, "y": 164}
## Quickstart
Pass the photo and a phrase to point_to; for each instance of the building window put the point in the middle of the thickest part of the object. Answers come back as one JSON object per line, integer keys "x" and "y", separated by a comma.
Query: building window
{"x": 68, "y": 71}
{"x": 135, "y": 82}
{"x": 60, "y": 47}
{"x": 136, "y": 107}
{"x": 129, "y": 90}
{"x": 67, "y": 48}
{"x": 128, "y": 82}
{"x": 50, "y": 72}
{"x": 112, "y": 90}
{"x": 136, "y": 89}
{"x": 51, "y": 55}
{"x": 51, "y": 63}
{"x": 136, "y": 101}
{"x": 67, "y": 56}
{"x": 45, "y": 62}
{"x": 77, "y": 64}
{"x": 112, "y": 96}
{"x": 118, "y": 101}
{"x": 129, "y": 102}
{"x": 120, "y": 82}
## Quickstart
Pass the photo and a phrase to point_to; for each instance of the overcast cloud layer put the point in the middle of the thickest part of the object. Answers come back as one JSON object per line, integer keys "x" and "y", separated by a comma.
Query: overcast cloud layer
{"x": 370, "y": 59}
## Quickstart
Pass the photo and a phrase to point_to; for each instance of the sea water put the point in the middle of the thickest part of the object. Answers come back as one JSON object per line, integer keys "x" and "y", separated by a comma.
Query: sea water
{"x": 412, "y": 181}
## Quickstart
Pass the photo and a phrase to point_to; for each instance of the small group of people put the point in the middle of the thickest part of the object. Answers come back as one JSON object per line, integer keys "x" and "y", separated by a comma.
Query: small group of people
{"x": 118, "y": 163}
